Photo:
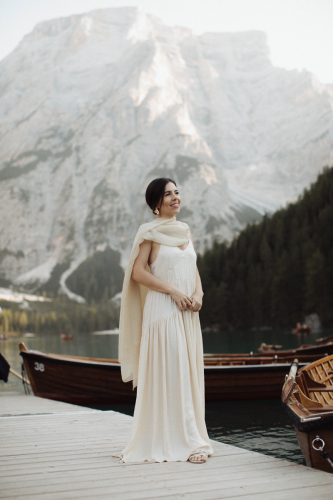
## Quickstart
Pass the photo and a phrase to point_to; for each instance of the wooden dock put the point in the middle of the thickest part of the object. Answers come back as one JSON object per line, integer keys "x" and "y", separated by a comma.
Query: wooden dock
{"x": 56, "y": 451}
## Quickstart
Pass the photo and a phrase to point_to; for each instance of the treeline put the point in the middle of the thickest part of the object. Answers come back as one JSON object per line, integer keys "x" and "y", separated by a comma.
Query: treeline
{"x": 99, "y": 277}
{"x": 277, "y": 271}
{"x": 59, "y": 316}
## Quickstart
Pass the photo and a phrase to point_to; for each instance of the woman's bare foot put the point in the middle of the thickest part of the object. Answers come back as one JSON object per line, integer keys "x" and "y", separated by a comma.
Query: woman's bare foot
{"x": 198, "y": 458}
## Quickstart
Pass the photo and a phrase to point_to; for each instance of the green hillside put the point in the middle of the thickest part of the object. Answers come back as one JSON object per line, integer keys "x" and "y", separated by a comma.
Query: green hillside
{"x": 99, "y": 277}
{"x": 276, "y": 271}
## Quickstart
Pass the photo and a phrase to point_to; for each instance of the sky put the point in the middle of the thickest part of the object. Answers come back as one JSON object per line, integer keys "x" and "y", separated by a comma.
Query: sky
{"x": 299, "y": 32}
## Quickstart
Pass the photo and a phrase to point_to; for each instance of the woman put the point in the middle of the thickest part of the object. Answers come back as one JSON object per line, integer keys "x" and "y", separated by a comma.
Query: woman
{"x": 160, "y": 344}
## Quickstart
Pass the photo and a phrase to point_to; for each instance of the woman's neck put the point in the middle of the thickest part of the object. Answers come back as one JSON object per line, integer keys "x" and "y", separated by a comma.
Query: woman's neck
{"x": 171, "y": 217}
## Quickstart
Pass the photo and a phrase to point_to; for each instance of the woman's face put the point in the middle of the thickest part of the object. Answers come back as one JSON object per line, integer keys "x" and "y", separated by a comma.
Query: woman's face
{"x": 170, "y": 204}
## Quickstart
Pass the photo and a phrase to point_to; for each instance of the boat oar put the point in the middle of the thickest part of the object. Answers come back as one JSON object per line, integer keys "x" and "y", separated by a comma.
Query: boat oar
{"x": 25, "y": 380}
{"x": 5, "y": 369}
{"x": 290, "y": 382}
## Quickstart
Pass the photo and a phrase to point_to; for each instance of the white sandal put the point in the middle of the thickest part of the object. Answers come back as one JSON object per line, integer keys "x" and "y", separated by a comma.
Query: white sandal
{"x": 202, "y": 453}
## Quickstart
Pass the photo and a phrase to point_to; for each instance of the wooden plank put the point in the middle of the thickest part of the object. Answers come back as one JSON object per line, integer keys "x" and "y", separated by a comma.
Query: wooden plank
{"x": 133, "y": 472}
{"x": 141, "y": 468}
{"x": 162, "y": 489}
{"x": 124, "y": 474}
{"x": 68, "y": 454}
{"x": 96, "y": 449}
{"x": 147, "y": 483}
{"x": 308, "y": 493}
{"x": 16, "y": 403}
{"x": 102, "y": 450}
{"x": 109, "y": 461}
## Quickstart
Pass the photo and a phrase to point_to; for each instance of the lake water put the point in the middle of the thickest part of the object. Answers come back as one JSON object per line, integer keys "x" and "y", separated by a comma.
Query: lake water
{"x": 258, "y": 425}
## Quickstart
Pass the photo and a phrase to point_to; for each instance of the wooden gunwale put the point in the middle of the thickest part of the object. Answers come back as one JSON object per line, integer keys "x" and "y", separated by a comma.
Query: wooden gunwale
{"x": 75, "y": 360}
{"x": 322, "y": 349}
{"x": 72, "y": 360}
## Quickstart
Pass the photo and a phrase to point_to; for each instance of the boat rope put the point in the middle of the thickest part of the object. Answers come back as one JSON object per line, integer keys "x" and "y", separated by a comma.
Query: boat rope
{"x": 24, "y": 376}
{"x": 320, "y": 448}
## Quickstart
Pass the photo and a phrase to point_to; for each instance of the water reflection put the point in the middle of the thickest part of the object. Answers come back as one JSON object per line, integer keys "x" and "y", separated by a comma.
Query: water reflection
{"x": 256, "y": 425}
{"x": 247, "y": 341}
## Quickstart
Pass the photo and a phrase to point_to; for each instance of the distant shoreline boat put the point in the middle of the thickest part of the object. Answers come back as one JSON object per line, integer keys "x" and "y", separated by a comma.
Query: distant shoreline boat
{"x": 94, "y": 381}
{"x": 115, "y": 331}
{"x": 301, "y": 328}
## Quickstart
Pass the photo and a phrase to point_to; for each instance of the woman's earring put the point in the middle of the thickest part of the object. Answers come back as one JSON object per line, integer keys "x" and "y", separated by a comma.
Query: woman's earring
{"x": 156, "y": 211}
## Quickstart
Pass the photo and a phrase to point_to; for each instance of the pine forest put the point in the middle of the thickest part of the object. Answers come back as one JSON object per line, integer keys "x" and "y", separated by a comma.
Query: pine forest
{"x": 276, "y": 271}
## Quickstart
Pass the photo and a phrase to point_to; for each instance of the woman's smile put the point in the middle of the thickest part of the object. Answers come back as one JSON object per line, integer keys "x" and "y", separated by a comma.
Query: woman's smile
{"x": 170, "y": 203}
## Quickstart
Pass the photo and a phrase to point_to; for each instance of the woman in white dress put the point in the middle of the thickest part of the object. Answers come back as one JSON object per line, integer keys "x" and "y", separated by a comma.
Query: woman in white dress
{"x": 164, "y": 354}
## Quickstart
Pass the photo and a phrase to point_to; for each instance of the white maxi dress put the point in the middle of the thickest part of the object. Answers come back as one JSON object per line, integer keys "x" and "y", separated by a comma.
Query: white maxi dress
{"x": 169, "y": 416}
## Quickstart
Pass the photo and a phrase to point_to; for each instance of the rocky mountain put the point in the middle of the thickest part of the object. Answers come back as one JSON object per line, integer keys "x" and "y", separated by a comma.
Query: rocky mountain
{"x": 94, "y": 106}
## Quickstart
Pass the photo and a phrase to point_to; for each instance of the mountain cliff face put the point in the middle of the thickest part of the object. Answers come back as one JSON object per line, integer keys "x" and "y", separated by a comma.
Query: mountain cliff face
{"x": 94, "y": 106}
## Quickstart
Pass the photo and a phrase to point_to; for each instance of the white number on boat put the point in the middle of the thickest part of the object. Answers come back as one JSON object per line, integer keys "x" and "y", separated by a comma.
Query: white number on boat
{"x": 39, "y": 366}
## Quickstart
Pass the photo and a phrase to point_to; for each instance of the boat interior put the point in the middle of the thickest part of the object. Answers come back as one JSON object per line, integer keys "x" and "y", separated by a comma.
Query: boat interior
{"x": 312, "y": 392}
{"x": 246, "y": 359}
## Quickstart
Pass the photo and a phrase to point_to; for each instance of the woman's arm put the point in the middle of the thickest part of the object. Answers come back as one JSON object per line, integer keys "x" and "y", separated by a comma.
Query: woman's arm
{"x": 198, "y": 292}
{"x": 198, "y": 295}
{"x": 147, "y": 279}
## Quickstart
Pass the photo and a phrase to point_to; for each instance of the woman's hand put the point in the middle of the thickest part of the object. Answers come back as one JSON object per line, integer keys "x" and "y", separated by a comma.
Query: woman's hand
{"x": 182, "y": 300}
{"x": 196, "y": 301}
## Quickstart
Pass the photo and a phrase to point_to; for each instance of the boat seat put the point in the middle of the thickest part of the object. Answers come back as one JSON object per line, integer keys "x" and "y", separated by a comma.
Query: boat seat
{"x": 322, "y": 389}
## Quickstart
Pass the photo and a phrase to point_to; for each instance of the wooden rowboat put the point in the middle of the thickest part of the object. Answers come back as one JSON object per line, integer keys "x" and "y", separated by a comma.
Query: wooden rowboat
{"x": 93, "y": 381}
{"x": 302, "y": 329}
{"x": 324, "y": 340}
{"x": 307, "y": 397}
{"x": 325, "y": 347}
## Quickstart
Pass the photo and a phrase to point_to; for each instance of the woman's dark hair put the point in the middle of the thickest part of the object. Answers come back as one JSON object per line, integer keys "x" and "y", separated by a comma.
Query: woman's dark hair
{"x": 155, "y": 191}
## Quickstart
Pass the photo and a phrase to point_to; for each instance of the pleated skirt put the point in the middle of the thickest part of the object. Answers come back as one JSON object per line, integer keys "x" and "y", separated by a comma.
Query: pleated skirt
{"x": 169, "y": 417}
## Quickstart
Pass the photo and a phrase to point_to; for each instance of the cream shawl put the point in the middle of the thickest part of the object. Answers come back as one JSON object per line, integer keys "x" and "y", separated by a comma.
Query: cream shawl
{"x": 168, "y": 232}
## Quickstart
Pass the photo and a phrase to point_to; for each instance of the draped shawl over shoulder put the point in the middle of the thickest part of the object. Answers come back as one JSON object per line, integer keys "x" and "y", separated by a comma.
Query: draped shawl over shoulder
{"x": 168, "y": 232}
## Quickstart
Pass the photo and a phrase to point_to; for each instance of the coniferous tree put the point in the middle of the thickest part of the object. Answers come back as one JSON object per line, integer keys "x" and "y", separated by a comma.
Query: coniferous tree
{"x": 277, "y": 271}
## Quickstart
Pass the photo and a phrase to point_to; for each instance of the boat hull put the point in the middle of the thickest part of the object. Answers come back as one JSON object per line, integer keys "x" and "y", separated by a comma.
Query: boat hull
{"x": 307, "y": 398}
{"x": 79, "y": 383}
{"x": 313, "y": 457}
{"x": 99, "y": 383}
{"x": 244, "y": 382}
